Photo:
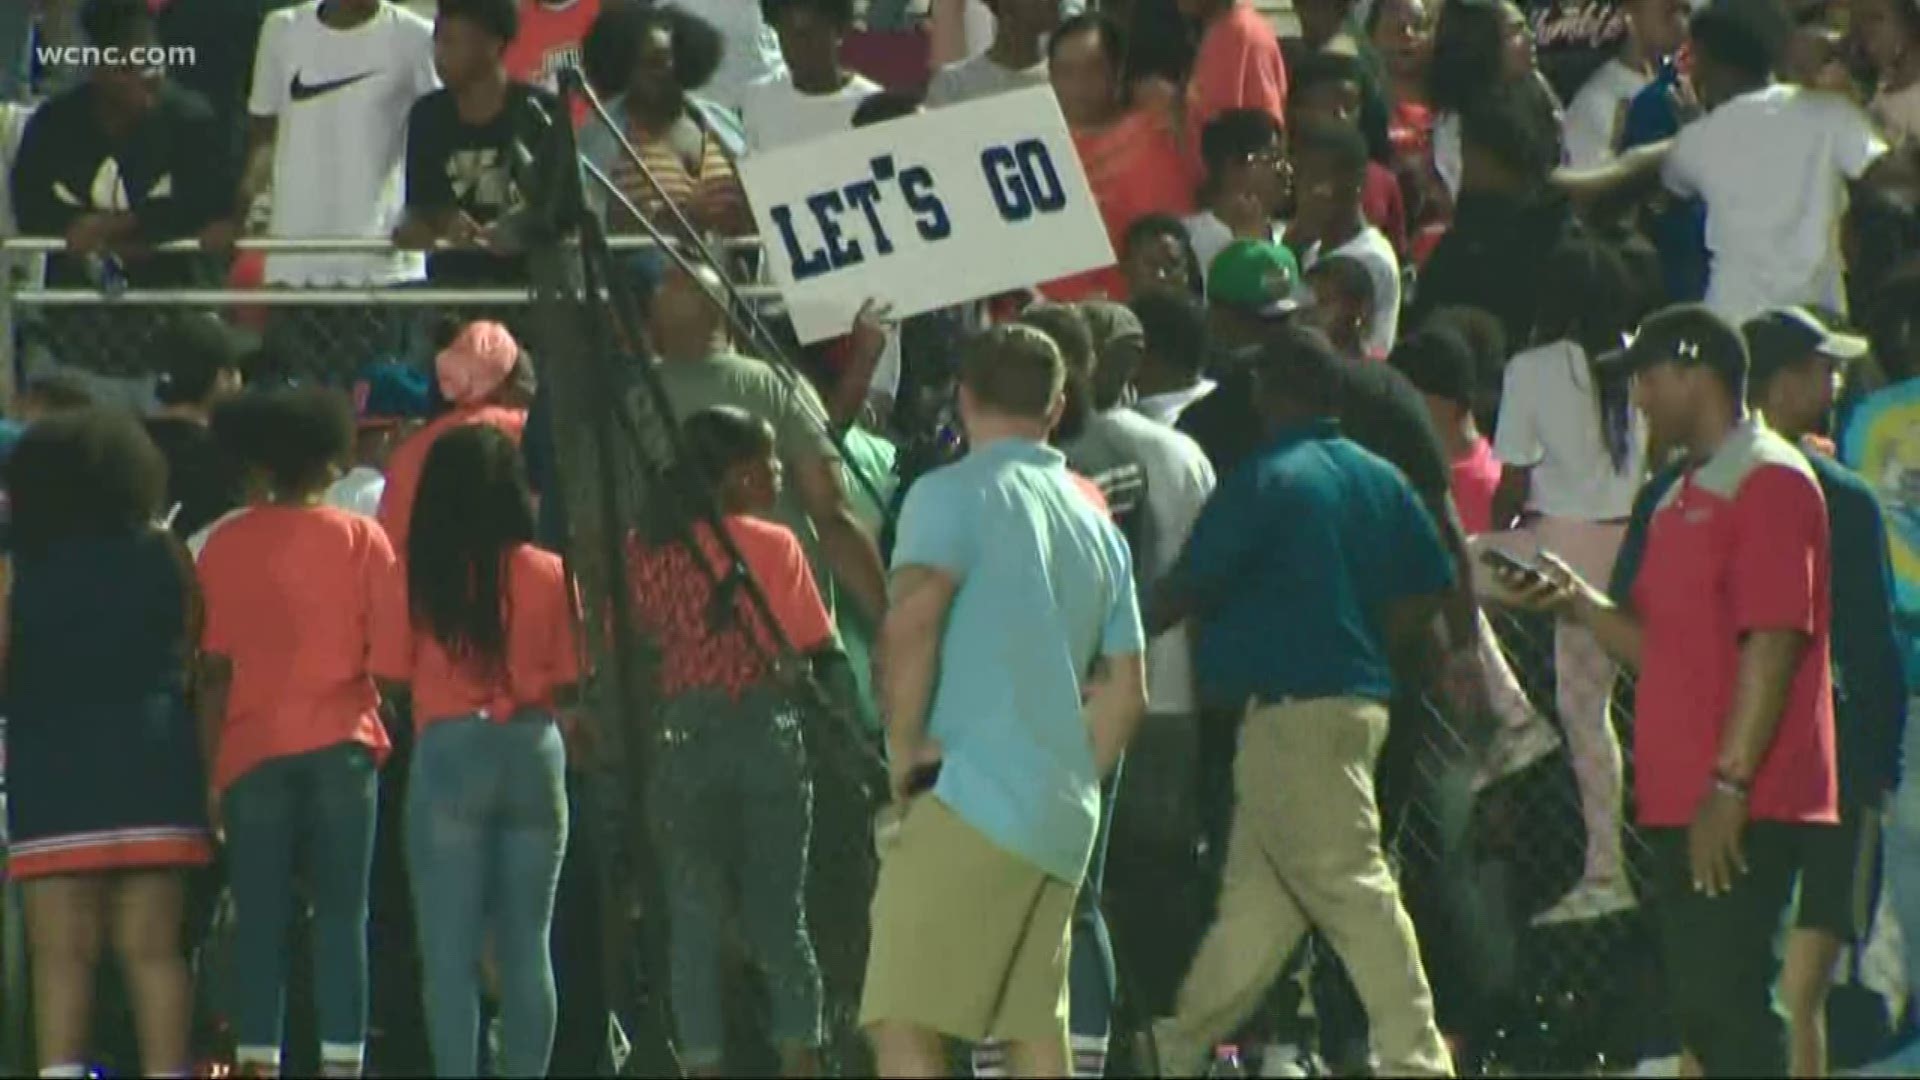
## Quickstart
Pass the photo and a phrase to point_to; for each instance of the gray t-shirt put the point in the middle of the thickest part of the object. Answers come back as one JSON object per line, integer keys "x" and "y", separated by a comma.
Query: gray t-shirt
{"x": 793, "y": 408}
{"x": 979, "y": 77}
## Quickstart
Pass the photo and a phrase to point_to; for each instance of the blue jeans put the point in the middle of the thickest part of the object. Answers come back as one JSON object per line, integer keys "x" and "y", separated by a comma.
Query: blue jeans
{"x": 321, "y": 807}
{"x": 486, "y": 828}
{"x": 729, "y": 799}
{"x": 1090, "y": 969}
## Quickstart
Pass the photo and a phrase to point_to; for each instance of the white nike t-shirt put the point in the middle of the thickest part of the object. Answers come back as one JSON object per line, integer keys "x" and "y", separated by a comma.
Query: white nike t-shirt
{"x": 341, "y": 98}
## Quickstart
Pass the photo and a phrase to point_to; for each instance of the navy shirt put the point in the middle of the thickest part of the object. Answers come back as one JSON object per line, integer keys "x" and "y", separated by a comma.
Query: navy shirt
{"x": 1679, "y": 228}
{"x": 1869, "y": 684}
{"x": 1294, "y": 564}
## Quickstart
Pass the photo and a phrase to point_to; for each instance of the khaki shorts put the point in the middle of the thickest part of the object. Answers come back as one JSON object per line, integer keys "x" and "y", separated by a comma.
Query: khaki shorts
{"x": 969, "y": 940}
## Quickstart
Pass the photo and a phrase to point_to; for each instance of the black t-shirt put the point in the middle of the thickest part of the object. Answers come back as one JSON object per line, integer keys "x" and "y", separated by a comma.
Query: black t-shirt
{"x": 1377, "y": 407}
{"x": 175, "y": 170}
{"x": 454, "y": 165}
{"x": 201, "y": 479}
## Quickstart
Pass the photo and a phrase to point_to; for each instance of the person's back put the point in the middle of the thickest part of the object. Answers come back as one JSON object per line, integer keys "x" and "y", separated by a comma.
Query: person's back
{"x": 1772, "y": 166}
{"x": 66, "y": 661}
{"x": 1328, "y": 505}
{"x": 1043, "y": 568}
{"x": 287, "y": 592}
{"x": 202, "y": 481}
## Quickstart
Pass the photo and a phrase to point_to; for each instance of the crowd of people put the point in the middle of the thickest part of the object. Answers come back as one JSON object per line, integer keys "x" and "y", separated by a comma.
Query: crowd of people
{"x": 1147, "y": 581}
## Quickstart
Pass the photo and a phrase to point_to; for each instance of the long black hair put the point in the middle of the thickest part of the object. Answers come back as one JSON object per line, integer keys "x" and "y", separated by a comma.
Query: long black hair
{"x": 1468, "y": 43}
{"x": 472, "y": 509}
{"x": 1587, "y": 297}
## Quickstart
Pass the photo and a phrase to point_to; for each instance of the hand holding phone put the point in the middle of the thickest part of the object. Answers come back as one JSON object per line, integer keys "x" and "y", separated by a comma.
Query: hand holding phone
{"x": 1512, "y": 569}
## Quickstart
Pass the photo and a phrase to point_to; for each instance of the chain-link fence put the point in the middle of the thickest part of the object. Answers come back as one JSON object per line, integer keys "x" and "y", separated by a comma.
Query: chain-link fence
{"x": 1532, "y": 919}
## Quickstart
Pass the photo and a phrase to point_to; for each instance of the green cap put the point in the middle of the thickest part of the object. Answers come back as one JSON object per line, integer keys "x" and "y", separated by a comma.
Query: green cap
{"x": 1256, "y": 278}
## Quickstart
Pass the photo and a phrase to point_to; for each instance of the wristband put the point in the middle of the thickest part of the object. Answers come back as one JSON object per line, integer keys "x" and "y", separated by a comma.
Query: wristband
{"x": 1727, "y": 785}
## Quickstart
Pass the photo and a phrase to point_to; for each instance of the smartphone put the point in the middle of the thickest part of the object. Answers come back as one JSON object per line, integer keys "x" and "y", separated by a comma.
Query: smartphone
{"x": 1507, "y": 564}
{"x": 923, "y": 779}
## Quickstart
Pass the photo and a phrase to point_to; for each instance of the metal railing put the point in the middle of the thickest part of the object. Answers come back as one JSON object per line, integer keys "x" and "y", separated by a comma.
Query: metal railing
{"x": 321, "y": 332}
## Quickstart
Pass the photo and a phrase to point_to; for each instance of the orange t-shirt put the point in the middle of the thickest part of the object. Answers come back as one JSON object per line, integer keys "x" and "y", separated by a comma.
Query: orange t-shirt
{"x": 289, "y": 594}
{"x": 542, "y": 651}
{"x": 410, "y": 458}
{"x": 1238, "y": 66}
{"x": 1135, "y": 168}
{"x": 548, "y": 43}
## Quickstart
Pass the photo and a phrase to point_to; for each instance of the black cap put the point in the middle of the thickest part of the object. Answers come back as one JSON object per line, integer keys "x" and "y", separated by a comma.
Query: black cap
{"x": 1689, "y": 335}
{"x": 193, "y": 350}
{"x": 1782, "y": 337}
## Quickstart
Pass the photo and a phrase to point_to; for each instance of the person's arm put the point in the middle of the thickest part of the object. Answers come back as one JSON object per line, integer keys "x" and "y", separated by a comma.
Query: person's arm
{"x": 1457, "y": 605}
{"x": 1228, "y": 535}
{"x": 1510, "y": 497}
{"x": 1616, "y": 628}
{"x": 213, "y": 684}
{"x": 909, "y": 665}
{"x": 1634, "y": 173}
{"x": 1866, "y": 643}
{"x": 1768, "y": 659}
{"x": 1116, "y": 703}
{"x": 204, "y": 175}
{"x": 265, "y": 103}
{"x": 432, "y": 211}
{"x": 36, "y": 208}
{"x": 866, "y": 346}
{"x": 947, "y": 32}
{"x": 848, "y": 549}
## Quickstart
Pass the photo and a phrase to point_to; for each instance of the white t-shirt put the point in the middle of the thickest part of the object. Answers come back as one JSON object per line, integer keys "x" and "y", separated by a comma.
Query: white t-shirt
{"x": 1210, "y": 236}
{"x": 1594, "y": 119}
{"x": 752, "y": 50}
{"x": 1371, "y": 249}
{"x": 1772, "y": 167}
{"x": 358, "y": 492}
{"x": 341, "y": 98}
{"x": 1179, "y": 481}
{"x": 979, "y": 77}
{"x": 777, "y": 115}
{"x": 1550, "y": 422}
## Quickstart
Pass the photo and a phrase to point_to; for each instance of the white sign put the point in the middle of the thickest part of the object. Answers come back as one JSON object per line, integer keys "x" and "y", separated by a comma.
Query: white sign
{"x": 925, "y": 211}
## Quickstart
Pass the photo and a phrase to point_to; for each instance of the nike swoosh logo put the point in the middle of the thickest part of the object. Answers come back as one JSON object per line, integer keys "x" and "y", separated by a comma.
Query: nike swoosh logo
{"x": 308, "y": 91}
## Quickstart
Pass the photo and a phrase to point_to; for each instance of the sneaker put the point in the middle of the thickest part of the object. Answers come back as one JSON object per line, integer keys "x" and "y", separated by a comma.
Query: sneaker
{"x": 1589, "y": 900}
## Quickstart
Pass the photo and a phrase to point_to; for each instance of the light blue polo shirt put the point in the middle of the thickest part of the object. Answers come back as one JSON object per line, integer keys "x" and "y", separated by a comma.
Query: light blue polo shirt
{"x": 1045, "y": 588}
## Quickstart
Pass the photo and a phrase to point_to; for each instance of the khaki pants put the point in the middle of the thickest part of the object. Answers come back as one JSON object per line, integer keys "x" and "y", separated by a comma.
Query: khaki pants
{"x": 1305, "y": 852}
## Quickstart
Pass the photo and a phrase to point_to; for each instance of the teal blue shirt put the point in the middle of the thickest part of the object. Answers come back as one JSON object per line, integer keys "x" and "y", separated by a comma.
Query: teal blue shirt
{"x": 1045, "y": 589}
{"x": 1293, "y": 565}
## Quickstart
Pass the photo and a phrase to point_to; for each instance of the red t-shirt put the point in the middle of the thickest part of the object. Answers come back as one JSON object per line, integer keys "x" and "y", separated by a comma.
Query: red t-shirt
{"x": 289, "y": 594}
{"x": 549, "y": 42}
{"x": 410, "y": 457}
{"x": 1238, "y": 66}
{"x": 1475, "y": 477}
{"x": 542, "y": 652}
{"x": 674, "y": 597}
{"x": 1385, "y": 206}
{"x": 1135, "y": 168}
{"x": 1739, "y": 545}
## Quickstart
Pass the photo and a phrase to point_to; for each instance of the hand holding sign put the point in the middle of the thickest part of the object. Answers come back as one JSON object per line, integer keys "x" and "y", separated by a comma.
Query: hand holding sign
{"x": 926, "y": 211}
